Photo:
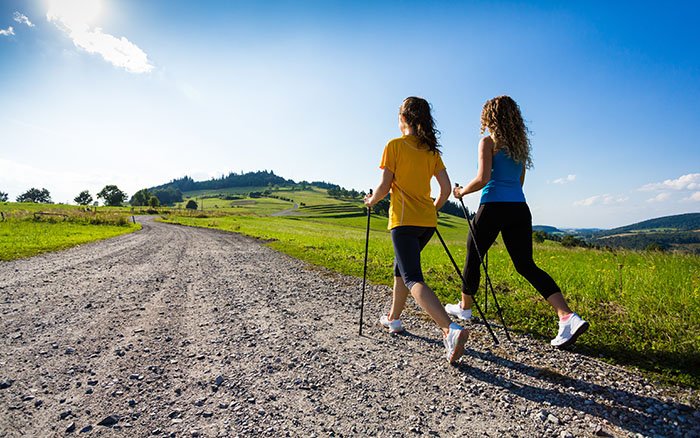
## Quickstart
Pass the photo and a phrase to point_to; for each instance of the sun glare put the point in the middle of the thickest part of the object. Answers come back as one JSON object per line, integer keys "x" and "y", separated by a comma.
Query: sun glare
{"x": 75, "y": 12}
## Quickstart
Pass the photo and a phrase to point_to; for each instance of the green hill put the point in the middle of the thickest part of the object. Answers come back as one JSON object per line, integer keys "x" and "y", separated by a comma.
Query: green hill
{"x": 250, "y": 179}
{"x": 679, "y": 233}
{"x": 680, "y": 222}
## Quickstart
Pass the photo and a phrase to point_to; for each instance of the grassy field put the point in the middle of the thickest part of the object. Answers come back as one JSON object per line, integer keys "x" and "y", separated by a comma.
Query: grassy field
{"x": 644, "y": 307}
{"x": 28, "y": 229}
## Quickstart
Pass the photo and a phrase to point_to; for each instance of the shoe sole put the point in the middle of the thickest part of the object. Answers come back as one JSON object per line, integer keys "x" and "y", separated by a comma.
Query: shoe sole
{"x": 459, "y": 348}
{"x": 393, "y": 331}
{"x": 581, "y": 330}
{"x": 458, "y": 316}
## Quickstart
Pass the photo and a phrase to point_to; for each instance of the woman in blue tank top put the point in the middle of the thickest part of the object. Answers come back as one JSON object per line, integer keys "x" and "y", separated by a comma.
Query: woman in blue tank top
{"x": 504, "y": 155}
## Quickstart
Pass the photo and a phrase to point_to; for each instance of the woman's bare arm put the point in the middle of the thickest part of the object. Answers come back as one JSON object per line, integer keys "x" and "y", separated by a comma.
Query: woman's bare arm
{"x": 382, "y": 189}
{"x": 445, "y": 188}
{"x": 483, "y": 173}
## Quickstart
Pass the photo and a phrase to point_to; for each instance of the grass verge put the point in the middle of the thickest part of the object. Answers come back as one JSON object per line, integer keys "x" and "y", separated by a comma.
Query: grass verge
{"x": 31, "y": 229}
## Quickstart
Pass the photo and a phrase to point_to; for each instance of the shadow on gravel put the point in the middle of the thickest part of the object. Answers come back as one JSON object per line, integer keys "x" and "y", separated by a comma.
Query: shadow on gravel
{"x": 408, "y": 334}
{"x": 626, "y": 410}
{"x": 405, "y": 334}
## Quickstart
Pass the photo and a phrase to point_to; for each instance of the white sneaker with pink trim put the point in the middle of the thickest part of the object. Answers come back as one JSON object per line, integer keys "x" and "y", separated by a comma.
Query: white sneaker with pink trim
{"x": 569, "y": 331}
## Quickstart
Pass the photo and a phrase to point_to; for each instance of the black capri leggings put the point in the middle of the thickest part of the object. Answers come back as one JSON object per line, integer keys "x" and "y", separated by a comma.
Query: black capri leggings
{"x": 514, "y": 221}
{"x": 408, "y": 242}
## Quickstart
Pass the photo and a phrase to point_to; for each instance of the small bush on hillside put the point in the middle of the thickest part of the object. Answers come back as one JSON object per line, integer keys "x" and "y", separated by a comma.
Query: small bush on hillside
{"x": 539, "y": 236}
{"x": 571, "y": 241}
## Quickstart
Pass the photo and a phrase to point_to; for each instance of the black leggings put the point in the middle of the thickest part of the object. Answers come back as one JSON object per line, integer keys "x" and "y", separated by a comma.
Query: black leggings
{"x": 408, "y": 242}
{"x": 514, "y": 221}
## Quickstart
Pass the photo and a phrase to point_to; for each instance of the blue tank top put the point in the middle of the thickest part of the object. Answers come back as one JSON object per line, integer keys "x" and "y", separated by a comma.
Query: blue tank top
{"x": 504, "y": 185}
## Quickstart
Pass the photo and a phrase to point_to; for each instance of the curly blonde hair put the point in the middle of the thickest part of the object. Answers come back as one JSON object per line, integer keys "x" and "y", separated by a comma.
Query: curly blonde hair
{"x": 502, "y": 117}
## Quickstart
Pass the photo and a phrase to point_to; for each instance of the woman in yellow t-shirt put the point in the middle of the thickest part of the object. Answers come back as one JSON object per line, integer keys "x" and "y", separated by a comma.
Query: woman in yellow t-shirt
{"x": 409, "y": 163}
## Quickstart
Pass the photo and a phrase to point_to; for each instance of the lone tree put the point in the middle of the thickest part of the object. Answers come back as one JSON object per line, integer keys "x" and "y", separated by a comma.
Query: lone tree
{"x": 154, "y": 202}
{"x": 35, "y": 195}
{"x": 191, "y": 204}
{"x": 140, "y": 198}
{"x": 3, "y": 197}
{"x": 84, "y": 198}
{"x": 112, "y": 196}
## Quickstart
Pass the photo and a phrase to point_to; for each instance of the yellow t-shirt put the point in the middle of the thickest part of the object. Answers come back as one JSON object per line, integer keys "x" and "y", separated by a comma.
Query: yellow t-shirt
{"x": 413, "y": 168}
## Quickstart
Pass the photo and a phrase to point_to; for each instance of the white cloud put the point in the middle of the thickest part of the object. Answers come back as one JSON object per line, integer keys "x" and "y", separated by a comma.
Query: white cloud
{"x": 74, "y": 17}
{"x": 695, "y": 197}
{"x": 690, "y": 181}
{"x": 23, "y": 19}
{"x": 605, "y": 199}
{"x": 661, "y": 197}
{"x": 7, "y": 32}
{"x": 565, "y": 180}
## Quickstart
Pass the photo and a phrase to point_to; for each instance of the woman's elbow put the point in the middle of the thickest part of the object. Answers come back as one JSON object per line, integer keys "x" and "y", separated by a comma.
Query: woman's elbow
{"x": 481, "y": 183}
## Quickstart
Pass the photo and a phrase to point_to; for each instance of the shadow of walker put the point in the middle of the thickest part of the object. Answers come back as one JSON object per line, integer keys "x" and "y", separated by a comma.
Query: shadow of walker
{"x": 625, "y": 409}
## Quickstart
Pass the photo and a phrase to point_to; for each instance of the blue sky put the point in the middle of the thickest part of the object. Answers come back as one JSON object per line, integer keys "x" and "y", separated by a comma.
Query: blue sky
{"x": 137, "y": 93}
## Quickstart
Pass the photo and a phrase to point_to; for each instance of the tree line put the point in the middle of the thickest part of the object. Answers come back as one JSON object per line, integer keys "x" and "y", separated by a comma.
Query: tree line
{"x": 250, "y": 179}
{"x": 111, "y": 195}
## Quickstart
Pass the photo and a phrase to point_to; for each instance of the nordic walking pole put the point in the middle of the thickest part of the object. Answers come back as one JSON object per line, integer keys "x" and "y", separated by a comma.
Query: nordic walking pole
{"x": 486, "y": 272}
{"x": 459, "y": 273}
{"x": 364, "y": 275}
{"x": 486, "y": 288}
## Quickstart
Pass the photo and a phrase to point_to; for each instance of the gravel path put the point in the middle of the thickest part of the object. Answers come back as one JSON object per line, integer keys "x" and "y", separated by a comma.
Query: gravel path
{"x": 176, "y": 331}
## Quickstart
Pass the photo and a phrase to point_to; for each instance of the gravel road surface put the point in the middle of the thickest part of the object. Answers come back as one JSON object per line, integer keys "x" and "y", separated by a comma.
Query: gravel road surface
{"x": 176, "y": 331}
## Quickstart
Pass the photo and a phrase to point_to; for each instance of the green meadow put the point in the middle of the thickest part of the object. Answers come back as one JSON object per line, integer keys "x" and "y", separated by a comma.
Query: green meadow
{"x": 28, "y": 229}
{"x": 644, "y": 307}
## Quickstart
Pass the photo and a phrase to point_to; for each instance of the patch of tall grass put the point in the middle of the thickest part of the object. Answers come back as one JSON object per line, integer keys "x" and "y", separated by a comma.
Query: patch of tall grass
{"x": 29, "y": 229}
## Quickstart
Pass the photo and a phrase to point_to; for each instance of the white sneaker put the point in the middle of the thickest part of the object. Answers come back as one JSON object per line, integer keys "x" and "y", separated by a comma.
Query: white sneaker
{"x": 394, "y": 325}
{"x": 454, "y": 342}
{"x": 569, "y": 331}
{"x": 456, "y": 310}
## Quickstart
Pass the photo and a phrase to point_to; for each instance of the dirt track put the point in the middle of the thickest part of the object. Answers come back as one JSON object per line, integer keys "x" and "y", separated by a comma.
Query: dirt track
{"x": 176, "y": 331}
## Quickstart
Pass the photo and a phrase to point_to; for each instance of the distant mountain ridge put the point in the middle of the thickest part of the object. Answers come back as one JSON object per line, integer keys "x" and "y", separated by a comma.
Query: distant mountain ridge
{"x": 678, "y": 232}
{"x": 547, "y": 229}
{"x": 681, "y": 222}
